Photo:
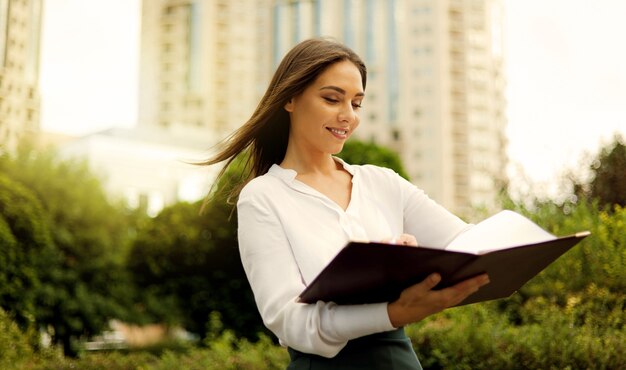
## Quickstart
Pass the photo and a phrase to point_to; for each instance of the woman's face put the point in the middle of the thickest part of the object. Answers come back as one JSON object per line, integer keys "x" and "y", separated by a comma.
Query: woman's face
{"x": 326, "y": 113}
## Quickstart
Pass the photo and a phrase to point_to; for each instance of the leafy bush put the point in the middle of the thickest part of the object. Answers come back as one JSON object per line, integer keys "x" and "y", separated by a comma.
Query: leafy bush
{"x": 608, "y": 185}
{"x": 14, "y": 345}
{"x": 84, "y": 282}
{"x": 572, "y": 315}
{"x": 26, "y": 253}
{"x": 187, "y": 266}
{"x": 481, "y": 337}
{"x": 50, "y": 360}
{"x": 224, "y": 351}
{"x": 361, "y": 152}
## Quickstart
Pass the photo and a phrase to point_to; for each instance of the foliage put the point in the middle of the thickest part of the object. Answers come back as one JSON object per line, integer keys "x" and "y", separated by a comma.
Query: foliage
{"x": 87, "y": 285}
{"x": 609, "y": 183}
{"x": 480, "y": 337}
{"x": 187, "y": 264}
{"x": 26, "y": 254}
{"x": 572, "y": 315}
{"x": 600, "y": 256}
{"x": 14, "y": 344}
{"x": 224, "y": 351}
{"x": 360, "y": 152}
{"x": 51, "y": 360}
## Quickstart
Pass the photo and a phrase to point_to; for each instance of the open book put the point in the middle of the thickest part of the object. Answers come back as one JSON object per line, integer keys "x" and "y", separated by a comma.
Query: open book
{"x": 508, "y": 246}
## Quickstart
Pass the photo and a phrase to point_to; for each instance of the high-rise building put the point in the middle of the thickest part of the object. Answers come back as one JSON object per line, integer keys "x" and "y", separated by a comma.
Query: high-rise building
{"x": 199, "y": 62}
{"x": 435, "y": 89}
{"x": 20, "y": 33}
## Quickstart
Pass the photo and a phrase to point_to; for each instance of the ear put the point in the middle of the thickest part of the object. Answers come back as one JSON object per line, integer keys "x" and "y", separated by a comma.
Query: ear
{"x": 289, "y": 106}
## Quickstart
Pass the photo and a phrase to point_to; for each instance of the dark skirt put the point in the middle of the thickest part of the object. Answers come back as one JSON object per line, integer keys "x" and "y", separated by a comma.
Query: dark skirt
{"x": 390, "y": 350}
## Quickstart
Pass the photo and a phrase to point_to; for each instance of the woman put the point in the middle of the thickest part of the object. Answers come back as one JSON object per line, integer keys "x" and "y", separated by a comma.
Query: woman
{"x": 300, "y": 205}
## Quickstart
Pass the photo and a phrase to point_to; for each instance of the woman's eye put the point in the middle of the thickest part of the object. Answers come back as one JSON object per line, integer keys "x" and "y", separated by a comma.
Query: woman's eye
{"x": 331, "y": 100}
{"x": 356, "y": 105}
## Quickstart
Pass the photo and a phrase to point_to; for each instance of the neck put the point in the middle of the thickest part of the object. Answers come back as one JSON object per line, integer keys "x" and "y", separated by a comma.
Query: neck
{"x": 306, "y": 162}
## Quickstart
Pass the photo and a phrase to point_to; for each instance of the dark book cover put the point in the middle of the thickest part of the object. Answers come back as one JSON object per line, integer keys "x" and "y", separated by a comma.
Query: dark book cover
{"x": 378, "y": 272}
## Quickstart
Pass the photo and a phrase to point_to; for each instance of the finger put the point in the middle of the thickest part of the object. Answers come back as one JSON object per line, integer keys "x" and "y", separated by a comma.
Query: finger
{"x": 426, "y": 285}
{"x": 462, "y": 290}
{"x": 407, "y": 239}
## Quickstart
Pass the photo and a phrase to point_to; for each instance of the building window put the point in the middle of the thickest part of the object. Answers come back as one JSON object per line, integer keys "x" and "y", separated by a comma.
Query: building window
{"x": 194, "y": 45}
{"x": 392, "y": 64}
{"x": 370, "y": 51}
{"x": 395, "y": 134}
{"x": 348, "y": 32}
{"x": 4, "y": 14}
{"x": 295, "y": 10}
{"x": 317, "y": 14}
{"x": 277, "y": 22}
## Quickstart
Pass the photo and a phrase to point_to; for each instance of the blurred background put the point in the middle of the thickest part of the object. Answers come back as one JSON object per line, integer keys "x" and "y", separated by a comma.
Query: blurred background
{"x": 467, "y": 93}
{"x": 484, "y": 104}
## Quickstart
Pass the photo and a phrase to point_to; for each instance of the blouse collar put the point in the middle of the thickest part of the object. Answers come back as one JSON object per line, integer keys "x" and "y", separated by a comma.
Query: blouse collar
{"x": 288, "y": 175}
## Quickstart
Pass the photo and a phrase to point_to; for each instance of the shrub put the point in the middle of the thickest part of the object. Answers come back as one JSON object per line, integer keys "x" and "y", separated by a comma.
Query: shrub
{"x": 570, "y": 316}
{"x": 14, "y": 345}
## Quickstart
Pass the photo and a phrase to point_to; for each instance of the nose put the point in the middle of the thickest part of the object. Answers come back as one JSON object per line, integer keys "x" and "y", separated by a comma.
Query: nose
{"x": 347, "y": 114}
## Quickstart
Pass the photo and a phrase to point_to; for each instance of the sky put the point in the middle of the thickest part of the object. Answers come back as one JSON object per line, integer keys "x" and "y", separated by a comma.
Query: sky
{"x": 89, "y": 65}
{"x": 566, "y": 73}
{"x": 565, "y": 69}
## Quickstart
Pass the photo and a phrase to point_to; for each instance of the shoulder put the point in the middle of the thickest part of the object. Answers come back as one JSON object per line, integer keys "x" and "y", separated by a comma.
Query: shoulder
{"x": 385, "y": 182}
{"x": 374, "y": 170}
{"x": 367, "y": 170}
{"x": 377, "y": 175}
{"x": 264, "y": 186}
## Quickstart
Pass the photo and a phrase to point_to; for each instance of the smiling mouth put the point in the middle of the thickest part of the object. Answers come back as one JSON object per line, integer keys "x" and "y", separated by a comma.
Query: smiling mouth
{"x": 337, "y": 131}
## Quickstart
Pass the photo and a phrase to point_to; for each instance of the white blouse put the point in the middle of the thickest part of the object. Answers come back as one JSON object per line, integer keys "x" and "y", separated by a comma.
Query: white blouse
{"x": 288, "y": 232}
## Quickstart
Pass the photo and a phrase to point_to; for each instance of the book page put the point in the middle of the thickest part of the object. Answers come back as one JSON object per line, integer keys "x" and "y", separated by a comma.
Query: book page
{"x": 503, "y": 230}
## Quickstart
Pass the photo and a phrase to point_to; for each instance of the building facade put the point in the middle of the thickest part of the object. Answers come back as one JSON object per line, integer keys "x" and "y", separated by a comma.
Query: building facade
{"x": 20, "y": 34}
{"x": 199, "y": 64}
{"x": 435, "y": 90}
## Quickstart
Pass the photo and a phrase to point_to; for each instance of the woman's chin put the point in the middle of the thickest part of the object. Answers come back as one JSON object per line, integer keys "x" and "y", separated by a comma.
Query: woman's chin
{"x": 337, "y": 149}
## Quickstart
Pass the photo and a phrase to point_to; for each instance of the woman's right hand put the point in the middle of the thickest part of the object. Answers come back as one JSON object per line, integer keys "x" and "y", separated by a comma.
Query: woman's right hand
{"x": 420, "y": 300}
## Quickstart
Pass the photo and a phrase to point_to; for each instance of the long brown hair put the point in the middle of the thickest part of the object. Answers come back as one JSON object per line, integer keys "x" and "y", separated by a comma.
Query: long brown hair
{"x": 266, "y": 133}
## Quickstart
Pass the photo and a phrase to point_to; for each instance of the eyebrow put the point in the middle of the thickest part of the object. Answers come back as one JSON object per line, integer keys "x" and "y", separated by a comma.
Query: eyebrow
{"x": 339, "y": 90}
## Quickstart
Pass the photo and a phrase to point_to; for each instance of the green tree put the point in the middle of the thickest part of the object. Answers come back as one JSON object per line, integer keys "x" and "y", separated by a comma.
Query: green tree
{"x": 609, "y": 183}
{"x": 187, "y": 265}
{"x": 360, "y": 152}
{"x": 27, "y": 256}
{"x": 90, "y": 236}
{"x": 15, "y": 348}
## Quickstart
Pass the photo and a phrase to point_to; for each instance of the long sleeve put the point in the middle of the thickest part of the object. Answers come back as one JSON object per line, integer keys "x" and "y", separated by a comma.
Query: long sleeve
{"x": 431, "y": 224}
{"x": 273, "y": 273}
